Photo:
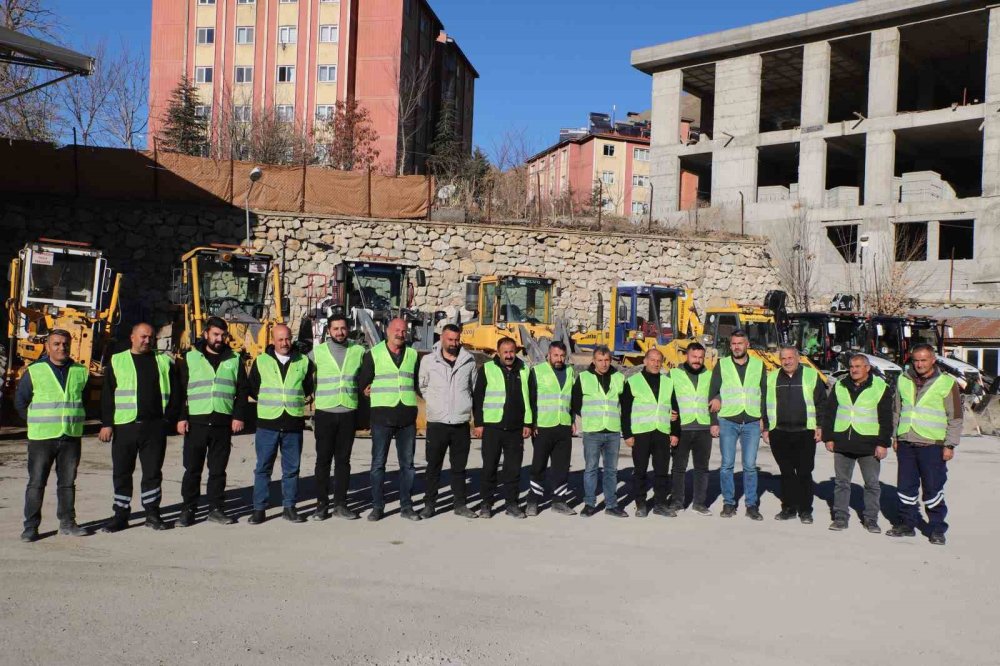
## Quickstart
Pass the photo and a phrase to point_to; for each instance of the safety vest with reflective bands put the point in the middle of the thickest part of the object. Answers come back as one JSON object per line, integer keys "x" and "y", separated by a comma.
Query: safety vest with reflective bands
{"x": 211, "y": 389}
{"x": 600, "y": 410}
{"x": 495, "y": 396}
{"x": 277, "y": 395}
{"x": 926, "y": 416}
{"x": 809, "y": 378}
{"x": 553, "y": 400}
{"x": 739, "y": 397}
{"x": 337, "y": 386}
{"x": 692, "y": 402}
{"x": 54, "y": 411}
{"x": 393, "y": 385}
{"x": 650, "y": 412}
{"x": 861, "y": 415}
{"x": 126, "y": 385}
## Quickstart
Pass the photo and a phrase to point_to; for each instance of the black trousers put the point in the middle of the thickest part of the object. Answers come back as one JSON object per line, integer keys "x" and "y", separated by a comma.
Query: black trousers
{"x": 454, "y": 440}
{"x": 555, "y": 443}
{"x": 334, "y": 444}
{"x": 795, "y": 453}
{"x": 146, "y": 440}
{"x": 212, "y": 443}
{"x": 698, "y": 445}
{"x": 42, "y": 454}
{"x": 511, "y": 445}
{"x": 656, "y": 445}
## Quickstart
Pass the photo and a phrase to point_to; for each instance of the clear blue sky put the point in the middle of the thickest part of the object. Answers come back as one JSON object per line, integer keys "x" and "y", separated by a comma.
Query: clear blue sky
{"x": 543, "y": 64}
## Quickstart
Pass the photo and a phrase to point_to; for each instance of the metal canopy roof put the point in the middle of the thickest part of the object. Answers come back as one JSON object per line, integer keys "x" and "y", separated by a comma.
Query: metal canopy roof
{"x": 20, "y": 49}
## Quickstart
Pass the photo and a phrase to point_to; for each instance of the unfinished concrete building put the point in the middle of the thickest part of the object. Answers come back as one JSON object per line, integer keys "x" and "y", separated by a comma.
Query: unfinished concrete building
{"x": 860, "y": 138}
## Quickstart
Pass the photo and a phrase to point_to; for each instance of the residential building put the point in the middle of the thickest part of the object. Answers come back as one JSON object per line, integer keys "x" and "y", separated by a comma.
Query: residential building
{"x": 865, "y": 136}
{"x": 301, "y": 57}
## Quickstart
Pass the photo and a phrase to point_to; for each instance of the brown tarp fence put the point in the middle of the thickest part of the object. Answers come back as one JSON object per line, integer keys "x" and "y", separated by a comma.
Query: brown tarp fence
{"x": 110, "y": 173}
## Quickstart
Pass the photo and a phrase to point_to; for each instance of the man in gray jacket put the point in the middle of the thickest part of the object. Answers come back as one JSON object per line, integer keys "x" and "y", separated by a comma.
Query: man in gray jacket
{"x": 445, "y": 380}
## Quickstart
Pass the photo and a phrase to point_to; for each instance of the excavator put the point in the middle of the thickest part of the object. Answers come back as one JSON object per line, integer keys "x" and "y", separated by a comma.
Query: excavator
{"x": 59, "y": 284}
{"x": 233, "y": 282}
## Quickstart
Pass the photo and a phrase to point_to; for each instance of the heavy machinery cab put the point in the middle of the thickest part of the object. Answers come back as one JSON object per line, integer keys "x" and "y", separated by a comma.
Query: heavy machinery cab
{"x": 644, "y": 313}
{"x": 517, "y": 306}
{"x": 824, "y": 337}
{"x": 760, "y": 327}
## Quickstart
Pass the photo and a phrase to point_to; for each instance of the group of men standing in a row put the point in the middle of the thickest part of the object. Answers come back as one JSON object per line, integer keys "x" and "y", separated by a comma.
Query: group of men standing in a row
{"x": 668, "y": 417}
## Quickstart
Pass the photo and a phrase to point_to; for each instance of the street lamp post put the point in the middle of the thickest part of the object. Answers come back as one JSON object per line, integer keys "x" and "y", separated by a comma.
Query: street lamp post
{"x": 255, "y": 175}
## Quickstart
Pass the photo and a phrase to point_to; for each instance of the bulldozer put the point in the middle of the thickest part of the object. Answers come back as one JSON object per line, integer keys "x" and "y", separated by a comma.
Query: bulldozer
{"x": 232, "y": 282}
{"x": 517, "y": 306}
{"x": 58, "y": 284}
{"x": 644, "y": 316}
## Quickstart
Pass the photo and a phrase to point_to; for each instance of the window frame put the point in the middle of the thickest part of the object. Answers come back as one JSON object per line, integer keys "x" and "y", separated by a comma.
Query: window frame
{"x": 205, "y": 70}
{"x": 247, "y": 29}
{"x": 245, "y": 69}
{"x": 289, "y": 74}
{"x": 331, "y": 27}
{"x": 207, "y": 31}
{"x": 278, "y": 112}
{"x": 328, "y": 68}
{"x": 608, "y": 149}
{"x": 290, "y": 31}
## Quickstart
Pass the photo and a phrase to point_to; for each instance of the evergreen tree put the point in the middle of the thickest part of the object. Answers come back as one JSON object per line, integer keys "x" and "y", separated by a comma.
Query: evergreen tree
{"x": 448, "y": 156}
{"x": 183, "y": 131}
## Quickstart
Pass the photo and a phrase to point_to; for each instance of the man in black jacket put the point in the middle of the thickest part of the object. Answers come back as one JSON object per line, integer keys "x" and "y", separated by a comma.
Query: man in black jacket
{"x": 691, "y": 390}
{"x": 858, "y": 429}
{"x": 500, "y": 412}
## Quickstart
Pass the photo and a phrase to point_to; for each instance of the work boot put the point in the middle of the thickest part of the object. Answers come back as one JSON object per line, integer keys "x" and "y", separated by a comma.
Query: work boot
{"x": 376, "y": 514}
{"x": 937, "y": 539}
{"x": 154, "y": 522}
{"x": 486, "y": 510}
{"x": 588, "y": 511}
{"x": 257, "y": 517}
{"x": 29, "y": 535}
{"x": 728, "y": 511}
{"x": 901, "y": 531}
{"x": 70, "y": 528}
{"x": 872, "y": 526}
{"x": 806, "y": 517}
{"x": 409, "y": 514}
{"x": 641, "y": 510}
{"x": 341, "y": 511}
{"x": 664, "y": 510}
{"x": 217, "y": 515}
{"x": 321, "y": 513}
{"x": 514, "y": 511}
{"x": 701, "y": 509}
{"x": 186, "y": 518}
{"x": 532, "y": 508}
{"x": 787, "y": 514}
{"x": 617, "y": 512}
{"x": 753, "y": 513}
{"x": 563, "y": 508}
{"x": 838, "y": 525}
{"x": 117, "y": 523}
{"x": 428, "y": 511}
{"x": 291, "y": 514}
{"x": 465, "y": 512}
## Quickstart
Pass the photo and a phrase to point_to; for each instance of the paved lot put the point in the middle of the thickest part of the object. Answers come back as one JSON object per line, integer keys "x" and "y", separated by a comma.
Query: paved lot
{"x": 553, "y": 589}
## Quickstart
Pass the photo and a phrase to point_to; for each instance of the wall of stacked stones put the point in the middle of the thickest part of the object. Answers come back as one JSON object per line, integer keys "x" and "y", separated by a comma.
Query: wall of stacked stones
{"x": 145, "y": 243}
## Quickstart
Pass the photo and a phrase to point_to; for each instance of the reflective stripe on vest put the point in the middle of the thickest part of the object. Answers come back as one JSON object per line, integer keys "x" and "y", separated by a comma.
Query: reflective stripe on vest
{"x": 927, "y": 417}
{"x": 650, "y": 412}
{"x": 277, "y": 395}
{"x": 393, "y": 385}
{"x": 495, "y": 397}
{"x": 336, "y": 386}
{"x": 692, "y": 402}
{"x": 553, "y": 401}
{"x": 738, "y": 397}
{"x": 54, "y": 411}
{"x": 600, "y": 410}
{"x": 210, "y": 390}
{"x": 126, "y": 385}
{"x": 862, "y": 415}
{"x": 809, "y": 378}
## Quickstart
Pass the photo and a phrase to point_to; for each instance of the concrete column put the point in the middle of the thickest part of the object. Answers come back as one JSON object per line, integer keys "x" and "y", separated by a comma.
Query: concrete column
{"x": 880, "y": 160}
{"x": 991, "y": 128}
{"x": 666, "y": 121}
{"x": 883, "y": 73}
{"x": 815, "y": 83}
{"x": 737, "y": 120}
{"x": 812, "y": 171}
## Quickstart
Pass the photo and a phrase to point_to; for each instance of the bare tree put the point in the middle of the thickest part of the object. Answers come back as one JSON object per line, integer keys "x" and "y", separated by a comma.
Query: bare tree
{"x": 896, "y": 279}
{"x": 348, "y": 138}
{"x": 795, "y": 259}
{"x": 242, "y": 131}
{"x": 507, "y": 182}
{"x": 84, "y": 100}
{"x": 413, "y": 78}
{"x": 30, "y": 116}
{"x": 125, "y": 115}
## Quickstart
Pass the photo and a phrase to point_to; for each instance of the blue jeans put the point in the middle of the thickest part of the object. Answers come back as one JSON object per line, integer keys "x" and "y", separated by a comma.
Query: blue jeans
{"x": 268, "y": 443}
{"x": 748, "y": 436}
{"x": 598, "y": 446}
{"x": 406, "y": 442}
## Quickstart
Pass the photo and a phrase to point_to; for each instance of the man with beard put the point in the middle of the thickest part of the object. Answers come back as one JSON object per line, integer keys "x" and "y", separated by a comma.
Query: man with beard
{"x": 137, "y": 405}
{"x": 446, "y": 380}
{"x": 337, "y": 362}
{"x": 550, "y": 391}
{"x": 212, "y": 394}
{"x": 737, "y": 390}
{"x": 691, "y": 386}
{"x": 502, "y": 414}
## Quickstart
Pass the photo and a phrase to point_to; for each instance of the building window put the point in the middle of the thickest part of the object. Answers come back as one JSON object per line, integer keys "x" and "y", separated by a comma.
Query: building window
{"x": 640, "y": 208}
{"x": 955, "y": 239}
{"x": 241, "y": 114}
{"x": 329, "y": 34}
{"x": 641, "y": 154}
{"x": 327, "y": 73}
{"x": 206, "y": 35}
{"x": 244, "y": 75}
{"x": 288, "y": 2}
{"x": 608, "y": 205}
{"x": 640, "y": 181}
{"x": 608, "y": 177}
{"x": 246, "y": 2}
{"x": 911, "y": 241}
{"x": 203, "y": 74}
{"x": 286, "y": 74}
{"x": 324, "y": 111}
{"x": 206, "y": 2}
{"x": 609, "y": 150}
{"x": 288, "y": 34}
{"x": 285, "y": 112}
{"x": 202, "y": 111}
{"x": 844, "y": 238}
{"x": 244, "y": 35}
